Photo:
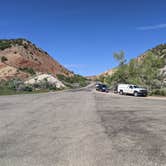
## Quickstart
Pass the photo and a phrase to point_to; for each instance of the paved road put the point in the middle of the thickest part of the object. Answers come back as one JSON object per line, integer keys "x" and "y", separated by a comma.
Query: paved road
{"x": 82, "y": 128}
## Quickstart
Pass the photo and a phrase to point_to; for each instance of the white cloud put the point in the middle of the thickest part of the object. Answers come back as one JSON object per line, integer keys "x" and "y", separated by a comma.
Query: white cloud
{"x": 152, "y": 27}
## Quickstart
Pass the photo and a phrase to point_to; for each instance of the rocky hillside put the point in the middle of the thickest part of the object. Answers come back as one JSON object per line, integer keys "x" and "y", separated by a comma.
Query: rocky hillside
{"x": 108, "y": 72}
{"x": 20, "y": 58}
{"x": 101, "y": 75}
{"x": 159, "y": 51}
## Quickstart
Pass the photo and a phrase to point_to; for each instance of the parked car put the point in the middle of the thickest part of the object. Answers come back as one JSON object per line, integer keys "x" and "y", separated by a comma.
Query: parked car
{"x": 98, "y": 84}
{"x": 102, "y": 88}
{"x": 132, "y": 90}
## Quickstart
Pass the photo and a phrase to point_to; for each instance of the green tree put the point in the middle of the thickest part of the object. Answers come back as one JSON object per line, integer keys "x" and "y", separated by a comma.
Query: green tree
{"x": 134, "y": 72}
{"x": 120, "y": 57}
{"x": 149, "y": 70}
{"x": 121, "y": 75}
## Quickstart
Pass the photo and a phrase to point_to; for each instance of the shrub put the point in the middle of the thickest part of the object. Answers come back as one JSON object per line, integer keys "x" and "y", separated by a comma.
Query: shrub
{"x": 25, "y": 46}
{"x": 4, "y": 45}
{"x": 28, "y": 70}
{"x": 159, "y": 92}
{"x": 3, "y": 59}
{"x": 28, "y": 89}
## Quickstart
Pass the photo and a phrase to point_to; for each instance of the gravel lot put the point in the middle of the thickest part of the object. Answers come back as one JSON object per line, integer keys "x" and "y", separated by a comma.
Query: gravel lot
{"x": 82, "y": 128}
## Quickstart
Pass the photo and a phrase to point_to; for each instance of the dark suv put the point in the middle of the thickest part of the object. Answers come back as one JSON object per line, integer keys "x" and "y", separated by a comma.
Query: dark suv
{"x": 102, "y": 88}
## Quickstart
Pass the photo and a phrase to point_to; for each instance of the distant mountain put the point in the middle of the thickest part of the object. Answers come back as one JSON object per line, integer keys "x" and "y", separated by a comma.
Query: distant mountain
{"x": 21, "y": 58}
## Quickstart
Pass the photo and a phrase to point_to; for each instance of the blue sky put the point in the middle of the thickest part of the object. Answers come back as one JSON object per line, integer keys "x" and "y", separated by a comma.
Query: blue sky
{"x": 84, "y": 34}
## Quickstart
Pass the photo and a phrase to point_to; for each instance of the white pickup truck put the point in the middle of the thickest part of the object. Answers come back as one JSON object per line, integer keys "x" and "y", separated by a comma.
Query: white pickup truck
{"x": 131, "y": 89}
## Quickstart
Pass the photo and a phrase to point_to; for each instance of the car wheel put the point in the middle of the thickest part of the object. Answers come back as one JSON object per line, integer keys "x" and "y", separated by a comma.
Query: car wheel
{"x": 121, "y": 92}
{"x": 135, "y": 94}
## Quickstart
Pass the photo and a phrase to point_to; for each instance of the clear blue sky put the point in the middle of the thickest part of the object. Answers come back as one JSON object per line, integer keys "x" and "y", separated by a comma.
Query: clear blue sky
{"x": 83, "y": 34}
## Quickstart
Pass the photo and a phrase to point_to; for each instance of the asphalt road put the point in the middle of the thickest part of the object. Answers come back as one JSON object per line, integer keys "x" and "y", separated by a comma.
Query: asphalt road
{"x": 82, "y": 128}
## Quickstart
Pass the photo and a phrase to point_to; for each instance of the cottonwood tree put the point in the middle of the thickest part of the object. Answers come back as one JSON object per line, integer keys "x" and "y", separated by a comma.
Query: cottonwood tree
{"x": 120, "y": 57}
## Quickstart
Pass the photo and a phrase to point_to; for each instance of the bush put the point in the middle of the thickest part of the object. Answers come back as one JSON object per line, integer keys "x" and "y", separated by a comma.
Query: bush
{"x": 22, "y": 87}
{"x": 28, "y": 70}
{"x": 4, "y": 45}
{"x": 11, "y": 85}
{"x": 159, "y": 92}
{"x": 3, "y": 59}
{"x": 28, "y": 89}
{"x": 25, "y": 46}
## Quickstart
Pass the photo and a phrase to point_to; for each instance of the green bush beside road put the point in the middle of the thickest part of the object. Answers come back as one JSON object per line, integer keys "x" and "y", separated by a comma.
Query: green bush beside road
{"x": 158, "y": 92}
{"x": 16, "y": 86}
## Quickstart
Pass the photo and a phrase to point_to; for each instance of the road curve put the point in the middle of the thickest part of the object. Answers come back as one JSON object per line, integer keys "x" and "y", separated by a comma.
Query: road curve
{"x": 81, "y": 128}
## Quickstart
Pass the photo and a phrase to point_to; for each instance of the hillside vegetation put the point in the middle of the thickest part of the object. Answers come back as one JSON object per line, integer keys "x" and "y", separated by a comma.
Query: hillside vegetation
{"x": 148, "y": 70}
{"x": 4, "y": 44}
